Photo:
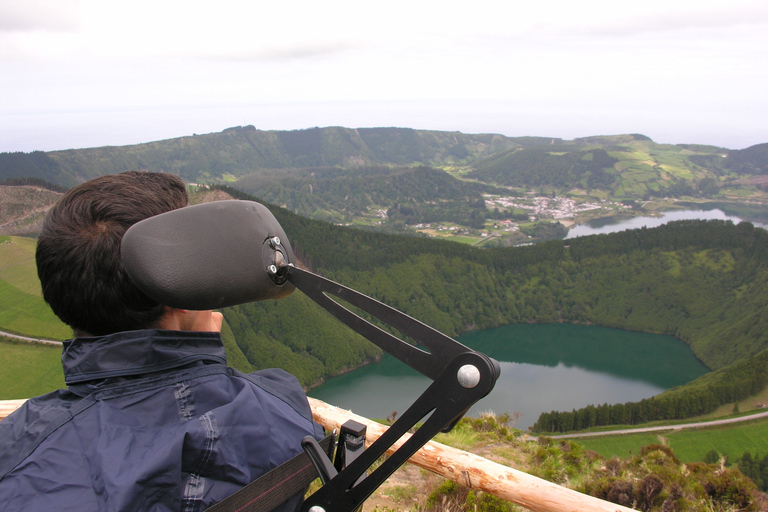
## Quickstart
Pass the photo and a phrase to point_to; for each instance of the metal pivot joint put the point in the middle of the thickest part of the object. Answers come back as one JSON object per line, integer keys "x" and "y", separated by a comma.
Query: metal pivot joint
{"x": 277, "y": 270}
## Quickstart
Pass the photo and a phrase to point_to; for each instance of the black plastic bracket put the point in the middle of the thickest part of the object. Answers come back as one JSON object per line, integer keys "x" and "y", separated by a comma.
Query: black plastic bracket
{"x": 351, "y": 444}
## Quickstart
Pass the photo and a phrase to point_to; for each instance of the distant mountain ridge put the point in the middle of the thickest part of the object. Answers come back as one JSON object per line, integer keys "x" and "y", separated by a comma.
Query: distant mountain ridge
{"x": 238, "y": 151}
{"x": 406, "y": 180}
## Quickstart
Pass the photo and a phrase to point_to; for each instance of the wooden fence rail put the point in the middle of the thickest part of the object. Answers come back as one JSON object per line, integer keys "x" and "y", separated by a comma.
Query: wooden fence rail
{"x": 462, "y": 467}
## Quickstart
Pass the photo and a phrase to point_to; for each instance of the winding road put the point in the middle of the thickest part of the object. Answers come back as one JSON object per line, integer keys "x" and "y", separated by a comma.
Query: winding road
{"x": 678, "y": 426}
{"x": 27, "y": 338}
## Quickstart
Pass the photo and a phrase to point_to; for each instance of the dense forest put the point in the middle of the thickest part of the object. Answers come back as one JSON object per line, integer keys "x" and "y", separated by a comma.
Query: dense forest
{"x": 755, "y": 468}
{"x": 701, "y": 281}
{"x": 412, "y": 194}
{"x": 752, "y": 160}
{"x": 538, "y": 167}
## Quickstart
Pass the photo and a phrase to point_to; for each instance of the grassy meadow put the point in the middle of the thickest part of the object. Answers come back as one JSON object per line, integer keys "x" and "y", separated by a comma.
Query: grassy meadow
{"x": 29, "y": 369}
{"x": 22, "y": 308}
{"x": 689, "y": 445}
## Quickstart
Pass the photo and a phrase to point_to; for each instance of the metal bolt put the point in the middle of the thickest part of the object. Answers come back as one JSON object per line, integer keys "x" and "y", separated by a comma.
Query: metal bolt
{"x": 272, "y": 269}
{"x": 468, "y": 376}
{"x": 274, "y": 241}
{"x": 316, "y": 508}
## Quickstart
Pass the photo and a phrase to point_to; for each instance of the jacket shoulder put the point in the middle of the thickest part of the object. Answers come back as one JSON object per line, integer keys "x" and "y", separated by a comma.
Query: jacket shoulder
{"x": 283, "y": 386}
{"x": 28, "y": 426}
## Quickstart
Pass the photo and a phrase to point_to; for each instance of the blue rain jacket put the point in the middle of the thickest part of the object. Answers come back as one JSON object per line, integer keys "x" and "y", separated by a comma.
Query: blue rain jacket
{"x": 152, "y": 420}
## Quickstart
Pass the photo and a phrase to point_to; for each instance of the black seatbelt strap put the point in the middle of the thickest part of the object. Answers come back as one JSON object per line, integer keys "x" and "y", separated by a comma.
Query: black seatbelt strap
{"x": 276, "y": 486}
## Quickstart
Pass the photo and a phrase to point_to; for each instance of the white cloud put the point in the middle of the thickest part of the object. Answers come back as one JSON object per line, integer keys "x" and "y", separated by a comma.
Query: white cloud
{"x": 43, "y": 15}
{"x": 98, "y": 55}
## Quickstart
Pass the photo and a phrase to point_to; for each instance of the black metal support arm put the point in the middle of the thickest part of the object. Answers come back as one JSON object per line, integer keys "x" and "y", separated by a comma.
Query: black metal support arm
{"x": 460, "y": 377}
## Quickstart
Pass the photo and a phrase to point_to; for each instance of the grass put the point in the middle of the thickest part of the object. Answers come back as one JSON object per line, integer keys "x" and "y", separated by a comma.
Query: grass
{"x": 689, "y": 445}
{"x": 461, "y": 438}
{"x": 464, "y": 239}
{"x": 734, "y": 441}
{"x": 22, "y": 308}
{"x": 17, "y": 264}
{"x": 619, "y": 445}
{"x": 29, "y": 369}
{"x": 400, "y": 493}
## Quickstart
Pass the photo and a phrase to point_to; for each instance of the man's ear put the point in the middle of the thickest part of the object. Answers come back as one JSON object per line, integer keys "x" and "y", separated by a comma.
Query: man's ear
{"x": 173, "y": 319}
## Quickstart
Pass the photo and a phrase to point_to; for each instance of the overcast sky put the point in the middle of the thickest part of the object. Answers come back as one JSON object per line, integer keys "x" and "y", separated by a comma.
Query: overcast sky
{"x": 85, "y": 73}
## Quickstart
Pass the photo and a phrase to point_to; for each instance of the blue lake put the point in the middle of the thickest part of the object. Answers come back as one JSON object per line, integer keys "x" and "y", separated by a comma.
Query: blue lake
{"x": 618, "y": 223}
{"x": 544, "y": 368}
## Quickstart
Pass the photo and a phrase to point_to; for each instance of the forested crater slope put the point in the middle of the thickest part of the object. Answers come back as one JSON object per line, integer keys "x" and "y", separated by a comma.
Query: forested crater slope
{"x": 701, "y": 281}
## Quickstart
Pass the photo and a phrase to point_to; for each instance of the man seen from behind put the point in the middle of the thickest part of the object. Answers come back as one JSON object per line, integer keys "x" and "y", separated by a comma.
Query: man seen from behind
{"x": 152, "y": 418}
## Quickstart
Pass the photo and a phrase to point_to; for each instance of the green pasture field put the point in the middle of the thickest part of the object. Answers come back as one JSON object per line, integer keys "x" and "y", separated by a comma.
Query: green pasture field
{"x": 464, "y": 239}
{"x": 690, "y": 445}
{"x": 29, "y": 369}
{"x": 641, "y": 174}
{"x": 22, "y": 308}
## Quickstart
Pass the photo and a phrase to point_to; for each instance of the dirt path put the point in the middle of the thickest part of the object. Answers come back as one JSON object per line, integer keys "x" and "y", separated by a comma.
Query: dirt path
{"x": 27, "y": 338}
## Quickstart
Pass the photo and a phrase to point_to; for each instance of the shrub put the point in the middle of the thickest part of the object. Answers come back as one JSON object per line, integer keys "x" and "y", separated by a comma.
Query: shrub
{"x": 452, "y": 497}
{"x": 622, "y": 493}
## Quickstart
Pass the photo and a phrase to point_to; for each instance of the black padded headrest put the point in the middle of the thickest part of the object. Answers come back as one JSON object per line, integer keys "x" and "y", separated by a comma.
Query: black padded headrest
{"x": 208, "y": 256}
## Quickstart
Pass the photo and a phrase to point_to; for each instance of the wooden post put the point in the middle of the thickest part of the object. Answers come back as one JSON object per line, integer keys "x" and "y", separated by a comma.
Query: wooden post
{"x": 462, "y": 467}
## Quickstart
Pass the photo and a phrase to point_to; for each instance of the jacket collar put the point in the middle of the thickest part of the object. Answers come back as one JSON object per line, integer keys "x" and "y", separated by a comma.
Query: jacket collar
{"x": 137, "y": 352}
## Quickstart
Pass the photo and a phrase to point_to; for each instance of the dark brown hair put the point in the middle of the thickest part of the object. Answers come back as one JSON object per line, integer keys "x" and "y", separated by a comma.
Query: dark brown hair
{"x": 78, "y": 252}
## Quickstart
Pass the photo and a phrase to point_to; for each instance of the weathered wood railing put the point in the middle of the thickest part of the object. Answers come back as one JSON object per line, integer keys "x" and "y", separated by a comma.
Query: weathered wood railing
{"x": 8, "y": 406}
{"x": 465, "y": 468}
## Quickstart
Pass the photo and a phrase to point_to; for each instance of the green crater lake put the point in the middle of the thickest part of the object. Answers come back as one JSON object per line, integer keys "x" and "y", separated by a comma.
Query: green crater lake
{"x": 543, "y": 368}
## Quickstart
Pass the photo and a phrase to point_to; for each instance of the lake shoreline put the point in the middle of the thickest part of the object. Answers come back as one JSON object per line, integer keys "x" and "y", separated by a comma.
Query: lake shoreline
{"x": 545, "y": 367}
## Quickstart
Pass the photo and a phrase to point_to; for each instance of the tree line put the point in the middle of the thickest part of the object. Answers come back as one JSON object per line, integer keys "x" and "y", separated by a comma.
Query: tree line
{"x": 755, "y": 468}
{"x": 732, "y": 384}
{"x": 411, "y": 194}
{"x": 28, "y": 181}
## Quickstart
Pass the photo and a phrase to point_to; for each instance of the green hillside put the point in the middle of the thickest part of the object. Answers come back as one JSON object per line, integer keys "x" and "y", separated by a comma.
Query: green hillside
{"x": 701, "y": 281}
{"x": 624, "y": 165}
{"x": 22, "y": 308}
{"x": 539, "y": 167}
{"x": 238, "y": 151}
{"x": 480, "y": 189}
{"x": 631, "y": 166}
{"x": 341, "y": 195}
{"x": 710, "y": 268}
{"x": 29, "y": 369}
{"x": 711, "y": 297}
